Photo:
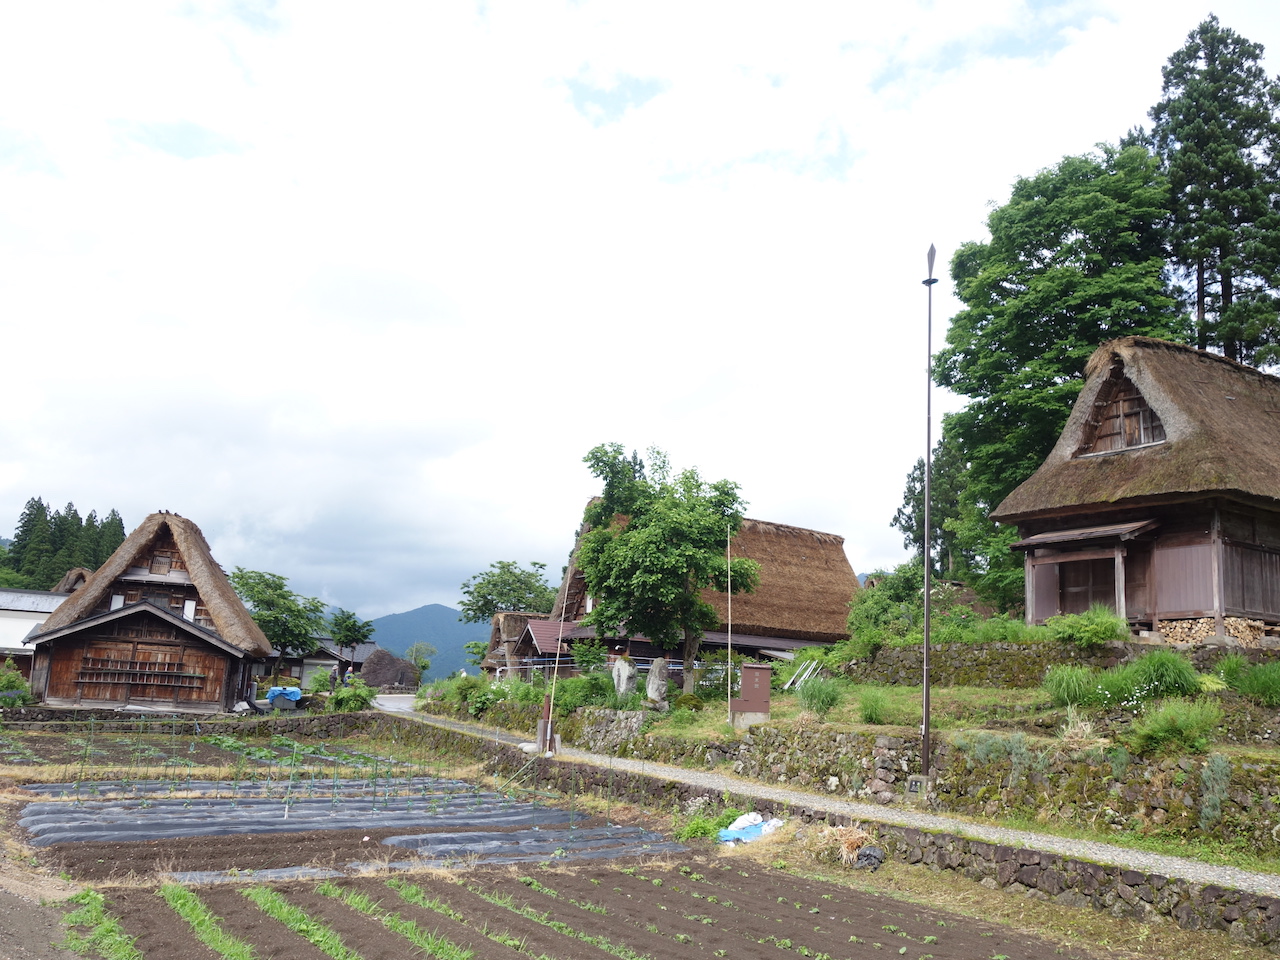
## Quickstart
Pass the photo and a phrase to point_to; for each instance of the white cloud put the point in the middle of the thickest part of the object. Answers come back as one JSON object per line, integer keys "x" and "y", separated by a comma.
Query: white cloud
{"x": 356, "y": 289}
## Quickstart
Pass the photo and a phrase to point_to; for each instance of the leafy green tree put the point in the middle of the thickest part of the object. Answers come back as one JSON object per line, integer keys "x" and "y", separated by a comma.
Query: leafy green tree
{"x": 292, "y": 623}
{"x": 589, "y": 655}
{"x": 420, "y": 654}
{"x": 1217, "y": 133}
{"x": 946, "y": 482}
{"x": 1075, "y": 258}
{"x": 476, "y": 651}
{"x": 348, "y": 630}
{"x": 506, "y": 586}
{"x": 654, "y": 544}
{"x": 990, "y": 567}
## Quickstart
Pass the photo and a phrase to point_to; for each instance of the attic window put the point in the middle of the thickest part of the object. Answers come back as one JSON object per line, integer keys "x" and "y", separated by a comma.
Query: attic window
{"x": 1122, "y": 419}
{"x": 161, "y": 563}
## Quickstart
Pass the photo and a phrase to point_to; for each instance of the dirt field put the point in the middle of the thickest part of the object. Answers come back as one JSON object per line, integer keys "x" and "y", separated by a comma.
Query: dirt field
{"x": 624, "y": 908}
{"x": 587, "y": 912}
{"x": 552, "y": 905}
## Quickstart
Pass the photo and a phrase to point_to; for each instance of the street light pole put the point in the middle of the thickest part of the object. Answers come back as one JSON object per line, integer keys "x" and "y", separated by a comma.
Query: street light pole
{"x": 926, "y": 756}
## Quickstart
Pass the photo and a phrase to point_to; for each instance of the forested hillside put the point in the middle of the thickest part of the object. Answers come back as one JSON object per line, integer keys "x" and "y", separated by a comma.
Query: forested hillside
{"x": 46, "y": 544}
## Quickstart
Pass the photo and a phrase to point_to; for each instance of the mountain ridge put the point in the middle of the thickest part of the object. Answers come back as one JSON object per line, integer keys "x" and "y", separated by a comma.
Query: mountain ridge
{"x": 433, "y": 623}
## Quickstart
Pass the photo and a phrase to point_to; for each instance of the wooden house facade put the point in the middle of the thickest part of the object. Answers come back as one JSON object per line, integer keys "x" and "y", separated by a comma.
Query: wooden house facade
{"x": 158, "y": 626}
{"x": 1161, "y": 498}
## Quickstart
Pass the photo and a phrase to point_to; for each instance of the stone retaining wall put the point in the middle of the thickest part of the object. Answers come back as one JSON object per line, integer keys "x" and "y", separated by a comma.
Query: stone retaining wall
{"x": 1019, "y": 664}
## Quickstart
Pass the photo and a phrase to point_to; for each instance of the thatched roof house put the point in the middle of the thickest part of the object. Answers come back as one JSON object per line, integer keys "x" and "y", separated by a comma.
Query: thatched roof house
{"x": 157, "y": 626}
{"x": 806, "y": 583}
{"x": 1162, "y": 495}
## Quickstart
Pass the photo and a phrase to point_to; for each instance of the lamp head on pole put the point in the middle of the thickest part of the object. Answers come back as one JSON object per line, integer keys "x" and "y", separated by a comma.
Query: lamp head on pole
{"x": 933, "y": 253}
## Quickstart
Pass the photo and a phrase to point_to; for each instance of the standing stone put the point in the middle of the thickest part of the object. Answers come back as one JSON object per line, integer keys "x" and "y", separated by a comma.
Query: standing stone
{"x": 656, "y": 686}
{"x": 624, "y": 676}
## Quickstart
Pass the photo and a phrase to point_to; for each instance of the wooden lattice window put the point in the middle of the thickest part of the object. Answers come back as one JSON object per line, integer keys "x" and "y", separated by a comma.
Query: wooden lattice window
{"x": 1122, "y": 418}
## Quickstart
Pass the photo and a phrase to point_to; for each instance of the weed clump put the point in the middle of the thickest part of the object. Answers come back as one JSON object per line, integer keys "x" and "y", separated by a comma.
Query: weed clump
{"x": 819, "y": 695}
{"x": 1177, "y": 724}
{"x": 1096, "y": 626}
{"x": 873, "y": 706}
{"x": 1261, "y": 684}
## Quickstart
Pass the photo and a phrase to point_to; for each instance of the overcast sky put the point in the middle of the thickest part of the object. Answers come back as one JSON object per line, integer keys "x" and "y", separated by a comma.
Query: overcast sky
{"x": 356, "y": 286}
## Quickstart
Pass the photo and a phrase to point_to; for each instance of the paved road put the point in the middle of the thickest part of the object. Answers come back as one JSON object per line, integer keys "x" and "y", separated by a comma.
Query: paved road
{"x": 1091, "y": 850}
{"x": 394, "y": 702}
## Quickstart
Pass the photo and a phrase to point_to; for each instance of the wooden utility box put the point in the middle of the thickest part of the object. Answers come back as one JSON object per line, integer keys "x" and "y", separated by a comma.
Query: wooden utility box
{"x": 752, "y": 703}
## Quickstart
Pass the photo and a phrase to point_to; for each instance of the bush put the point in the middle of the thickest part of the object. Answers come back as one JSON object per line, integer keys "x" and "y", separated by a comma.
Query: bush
{"x": 1164, "y": 673}
{"x": 588, "y": 690}
{"x": 1004, "y": 629}
{"x": 681, "y": 717}
{"x": 1094, "y": 627}
{"x": 464, "y": 688}
{"x": 873, "y": 705}
{"x": 702, "y": 825}
{"x": 1231, "y": 668}
{"x": 819, "y": 695}
{"x": 352, "y": 697}
{"x": 889, "y": 610}
{"x": 1071, "y": 685}
{"x": 1118, "y": 687}
{"x": 1261, "y": 684}
{"x": 1177, "y": 724}
{"x": 14, "y": 691}
{"x": 688, "y": 701}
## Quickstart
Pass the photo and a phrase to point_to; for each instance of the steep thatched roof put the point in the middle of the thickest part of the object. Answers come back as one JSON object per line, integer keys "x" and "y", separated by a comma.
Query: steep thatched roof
{"x": 1222, "y": 435}
{"x": 806, "y": 584}
{"x": 73, "y": 580}
{"x": 230, "y": 617}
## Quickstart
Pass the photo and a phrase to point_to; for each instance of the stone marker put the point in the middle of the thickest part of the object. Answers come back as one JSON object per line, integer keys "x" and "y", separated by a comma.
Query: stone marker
{"x": 656, "y": 686}
{"x": 624, "y": 676}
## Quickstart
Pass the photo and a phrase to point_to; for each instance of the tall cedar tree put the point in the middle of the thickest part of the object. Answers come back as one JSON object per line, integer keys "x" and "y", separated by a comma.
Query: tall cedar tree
{"x": 1217, "y": 133}
{"x": 654, "y": 543}
{"x": 946, "y": 481}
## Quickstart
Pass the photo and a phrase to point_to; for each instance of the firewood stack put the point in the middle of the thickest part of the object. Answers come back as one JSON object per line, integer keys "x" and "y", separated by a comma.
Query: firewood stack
{"x": 1197, "y": 631}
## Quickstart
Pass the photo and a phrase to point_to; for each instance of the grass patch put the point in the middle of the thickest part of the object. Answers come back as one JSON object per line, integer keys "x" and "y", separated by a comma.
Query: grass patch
{"x": 433, "y": 944}
{"x": 203, "y": 922}
{"x": 320, "y": 936}
{"x": 105, "y": 937}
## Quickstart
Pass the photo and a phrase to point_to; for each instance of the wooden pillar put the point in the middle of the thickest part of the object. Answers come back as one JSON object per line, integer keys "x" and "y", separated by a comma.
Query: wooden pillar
{"x": 1215, "y": 552}
{"x": 1119, "y": 580}
{"x": 1028, "y": 589}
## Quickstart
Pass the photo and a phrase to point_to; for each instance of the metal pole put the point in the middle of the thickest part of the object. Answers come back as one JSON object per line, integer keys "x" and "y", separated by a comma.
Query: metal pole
{"x": 926, "y": 755}
{"x": 728, "y": 566}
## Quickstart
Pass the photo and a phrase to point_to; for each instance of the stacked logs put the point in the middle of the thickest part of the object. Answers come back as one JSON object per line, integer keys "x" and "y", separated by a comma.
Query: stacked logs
{"x": 1197, "y": 631}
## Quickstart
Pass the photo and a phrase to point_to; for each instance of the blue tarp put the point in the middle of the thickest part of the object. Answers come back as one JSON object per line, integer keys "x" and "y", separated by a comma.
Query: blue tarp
{"x": 289, "y": 693}
{"x": 754, "y": 832}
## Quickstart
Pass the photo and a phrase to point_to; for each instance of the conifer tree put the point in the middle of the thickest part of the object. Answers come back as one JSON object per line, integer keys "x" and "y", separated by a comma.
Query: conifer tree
{"x": 110, "y": 536}
{"x": 1217, "y": 134}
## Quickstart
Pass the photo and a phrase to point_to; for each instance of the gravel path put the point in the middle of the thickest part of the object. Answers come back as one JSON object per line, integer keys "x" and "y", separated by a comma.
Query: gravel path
{"x": 1091, "y": 850}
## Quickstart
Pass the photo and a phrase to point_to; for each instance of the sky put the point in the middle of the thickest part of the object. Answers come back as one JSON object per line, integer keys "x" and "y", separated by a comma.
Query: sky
{"x": 356, "y": 287}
